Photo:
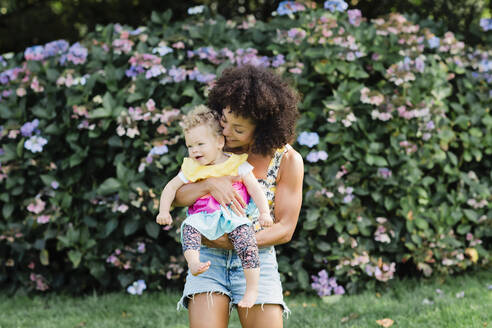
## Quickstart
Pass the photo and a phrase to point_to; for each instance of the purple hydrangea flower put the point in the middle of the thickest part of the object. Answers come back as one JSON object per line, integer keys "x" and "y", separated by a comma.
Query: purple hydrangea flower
{"x": 315, "y": 156}
{"x": 134, "y": 71}
{"x": 29, "y": 127}
{"x": 34, "y": 53}
{"x": 196, "y": 10}
{"x": 137, "y": 287}
{"x": 159, "y": 150}
{"x": 162, "y": 51}
{"x": 336, "y": 5}
{"x": 55, "y": 48}
{"x": 384, "y": 172}
{"x": 178, "y": 74}
{"x": 434, "y": 42}
{"x": 309, "y": 139}
{"x": 325, "y": 286}
{"x": 354, "y": 16}
{"x": 77, "y": 54}
{"x": 289, "y": 7}
{"x": 486, "y": 24}
{"x": 35, "y": 144}
{"x": 348, "y": 198}
{"x": 201, "y": 77}
{"x": 278, "y": 60}
{"x": 141, "y": 247}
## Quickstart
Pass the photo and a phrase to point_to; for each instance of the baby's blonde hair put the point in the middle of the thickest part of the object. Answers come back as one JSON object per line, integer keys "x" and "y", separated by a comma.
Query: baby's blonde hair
{"x": 199, "y": 115}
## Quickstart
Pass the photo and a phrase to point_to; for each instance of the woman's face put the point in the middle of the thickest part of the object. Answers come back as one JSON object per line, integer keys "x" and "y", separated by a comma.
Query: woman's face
{"x": 238, "y": 131}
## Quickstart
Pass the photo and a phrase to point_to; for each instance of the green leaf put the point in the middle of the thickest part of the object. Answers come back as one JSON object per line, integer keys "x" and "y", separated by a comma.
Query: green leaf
{"x": 152, "y": 229}
{"x": 7, "y": 210}
{"x": 313, "y": 214}
{"x": 109, "y": 186}
{"x": 125, "y": 279}
{"x": 155, "y": 18}
{"x": 44, "y": 257}
{"x": 375, "y": 160}
{"x": 20, "y": 147}
{"x": 100, "y": 112}
{"x": 471, "y": 215}
{"x": 421, "y": 223}
{"x": 110, "y": 227}
{"x": 47, "y": 179}
{"x": 130, "y": 227}
{"x": 97, "y": 270}
{"x": 75, "y": 257}
{"x": 45, "y": 113}
{"x": 323, "y": 246}
{"x": 134, "y": 97}
{"x": 303, "y": 278}
{"x": 5, "y": 112}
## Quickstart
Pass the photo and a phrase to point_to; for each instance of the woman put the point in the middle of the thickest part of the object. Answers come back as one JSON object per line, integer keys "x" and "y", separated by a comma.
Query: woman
{"x": 258, "y": 115}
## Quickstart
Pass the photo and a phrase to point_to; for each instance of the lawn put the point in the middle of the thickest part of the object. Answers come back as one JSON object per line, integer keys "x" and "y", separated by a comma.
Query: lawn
{"x": 463, "y": 301}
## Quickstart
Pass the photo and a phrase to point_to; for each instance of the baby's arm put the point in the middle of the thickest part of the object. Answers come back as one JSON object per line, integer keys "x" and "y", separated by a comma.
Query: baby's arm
{"x": 167, "y": 197}
{"x": 255, "y": 191}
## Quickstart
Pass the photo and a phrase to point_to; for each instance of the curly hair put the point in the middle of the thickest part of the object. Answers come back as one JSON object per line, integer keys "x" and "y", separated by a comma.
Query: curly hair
{"x": 199, "y": 115}
{"x": 258, "y": 94}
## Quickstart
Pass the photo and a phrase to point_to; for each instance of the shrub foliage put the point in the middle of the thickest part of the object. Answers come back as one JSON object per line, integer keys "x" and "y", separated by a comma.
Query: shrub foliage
{"x": 395, "y": 131}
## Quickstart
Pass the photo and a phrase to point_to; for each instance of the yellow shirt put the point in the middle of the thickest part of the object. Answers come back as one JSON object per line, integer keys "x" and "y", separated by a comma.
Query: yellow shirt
{"x": 193, "y": 171}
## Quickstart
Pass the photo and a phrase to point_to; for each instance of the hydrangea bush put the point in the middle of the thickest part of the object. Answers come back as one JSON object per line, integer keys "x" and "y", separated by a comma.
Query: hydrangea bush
{"x": 395, "y": 132}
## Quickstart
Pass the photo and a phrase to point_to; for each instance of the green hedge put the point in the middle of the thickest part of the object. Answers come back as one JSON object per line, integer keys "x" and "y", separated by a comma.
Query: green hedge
{"x": 395, "y": 131}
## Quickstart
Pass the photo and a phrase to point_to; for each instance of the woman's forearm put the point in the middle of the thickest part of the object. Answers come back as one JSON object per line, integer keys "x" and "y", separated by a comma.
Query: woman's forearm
{"x": 189, "y": 193}
{"x": 277, "y": 234}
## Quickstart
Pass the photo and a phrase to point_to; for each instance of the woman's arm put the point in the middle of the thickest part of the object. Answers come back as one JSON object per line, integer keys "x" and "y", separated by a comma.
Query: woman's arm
{"x": 190, "y": 192}
{"x": 220, "y": 188}
{"x": 288, "y": 200}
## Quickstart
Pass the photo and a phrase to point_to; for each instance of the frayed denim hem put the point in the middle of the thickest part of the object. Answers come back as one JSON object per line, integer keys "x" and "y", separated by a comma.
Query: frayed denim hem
{"x": 182, "y": 304}
{"x": 285, "y": 310}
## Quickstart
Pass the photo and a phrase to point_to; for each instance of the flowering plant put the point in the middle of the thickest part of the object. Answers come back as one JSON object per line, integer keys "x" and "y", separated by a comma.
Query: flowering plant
{"x": 394, "y": 128}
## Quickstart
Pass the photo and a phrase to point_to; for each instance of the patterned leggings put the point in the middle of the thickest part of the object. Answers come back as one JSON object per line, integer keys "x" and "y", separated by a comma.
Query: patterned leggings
{"x": 242, "y": 238}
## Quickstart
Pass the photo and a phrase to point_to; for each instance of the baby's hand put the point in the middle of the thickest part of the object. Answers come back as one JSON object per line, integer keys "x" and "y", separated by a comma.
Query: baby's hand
{"x": 265, "y": 220}
{"x": 164, "y": 218}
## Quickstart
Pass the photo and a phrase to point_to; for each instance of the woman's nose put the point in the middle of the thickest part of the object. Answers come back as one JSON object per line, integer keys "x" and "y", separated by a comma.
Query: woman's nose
{"x": 225, "y": 130}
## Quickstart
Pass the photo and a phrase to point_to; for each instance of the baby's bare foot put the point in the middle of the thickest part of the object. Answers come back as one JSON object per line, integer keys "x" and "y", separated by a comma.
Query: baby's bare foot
{"x": 198, "y": 267}
{"x": 248, "y": 299}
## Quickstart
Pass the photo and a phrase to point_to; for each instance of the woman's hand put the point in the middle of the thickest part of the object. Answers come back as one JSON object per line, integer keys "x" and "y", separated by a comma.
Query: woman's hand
{"x": 222, "y": 242}
{"x": 222, "y": 190}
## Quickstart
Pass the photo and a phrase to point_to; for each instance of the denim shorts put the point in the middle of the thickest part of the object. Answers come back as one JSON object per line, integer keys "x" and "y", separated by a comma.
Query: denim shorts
{"x": 225, "y": 276}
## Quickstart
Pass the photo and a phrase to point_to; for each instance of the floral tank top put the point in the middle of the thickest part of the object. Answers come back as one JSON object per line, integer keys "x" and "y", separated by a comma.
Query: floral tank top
{"x": 269, "y": 184}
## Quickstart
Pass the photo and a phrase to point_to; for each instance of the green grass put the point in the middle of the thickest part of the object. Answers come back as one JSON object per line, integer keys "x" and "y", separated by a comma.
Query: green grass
{"x": 403, "y": 302}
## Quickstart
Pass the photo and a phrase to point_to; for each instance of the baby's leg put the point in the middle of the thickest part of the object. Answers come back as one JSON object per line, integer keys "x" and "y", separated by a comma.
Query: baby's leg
{"x": 191, "y": 249}
{"x": 244, "y": 241}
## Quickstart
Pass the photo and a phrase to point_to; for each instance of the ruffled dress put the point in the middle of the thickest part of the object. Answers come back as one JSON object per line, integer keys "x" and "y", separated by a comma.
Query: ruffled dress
{"x": 206, "y": 214}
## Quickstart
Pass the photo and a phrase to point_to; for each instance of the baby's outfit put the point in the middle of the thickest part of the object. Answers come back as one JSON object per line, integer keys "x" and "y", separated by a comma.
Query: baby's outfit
{"x": 206, "y": 217}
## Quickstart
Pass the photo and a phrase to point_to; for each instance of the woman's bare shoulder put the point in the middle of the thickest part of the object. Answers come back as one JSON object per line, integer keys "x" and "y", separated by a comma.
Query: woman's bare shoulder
{"x": 292, "y": 163}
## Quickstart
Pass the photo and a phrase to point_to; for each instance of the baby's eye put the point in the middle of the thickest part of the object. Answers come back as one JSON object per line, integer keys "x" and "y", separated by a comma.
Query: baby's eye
{"x": 237, "y": 131}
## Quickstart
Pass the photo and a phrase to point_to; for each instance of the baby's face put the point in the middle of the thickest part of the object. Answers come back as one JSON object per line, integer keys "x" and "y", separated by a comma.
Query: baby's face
{"x": 203, "y": 145}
